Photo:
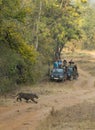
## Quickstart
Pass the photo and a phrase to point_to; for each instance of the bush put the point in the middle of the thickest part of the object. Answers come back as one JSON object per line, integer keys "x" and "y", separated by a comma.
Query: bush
{"x": 16, "y": 71}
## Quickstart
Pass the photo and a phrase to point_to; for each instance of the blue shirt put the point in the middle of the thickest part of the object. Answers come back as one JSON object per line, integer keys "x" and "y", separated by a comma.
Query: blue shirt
{"x": 55, "y": 65}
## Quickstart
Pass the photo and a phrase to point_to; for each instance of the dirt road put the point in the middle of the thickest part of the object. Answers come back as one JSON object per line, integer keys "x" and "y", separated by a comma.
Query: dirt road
{"x": 26, "y": 116}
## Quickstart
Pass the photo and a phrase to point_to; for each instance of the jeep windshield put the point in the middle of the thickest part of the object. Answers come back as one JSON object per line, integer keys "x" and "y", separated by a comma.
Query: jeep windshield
{"x": 57, "y": 71}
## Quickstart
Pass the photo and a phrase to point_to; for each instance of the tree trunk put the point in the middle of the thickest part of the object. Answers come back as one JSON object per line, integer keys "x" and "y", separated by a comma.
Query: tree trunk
{"x": 37, "y": 27}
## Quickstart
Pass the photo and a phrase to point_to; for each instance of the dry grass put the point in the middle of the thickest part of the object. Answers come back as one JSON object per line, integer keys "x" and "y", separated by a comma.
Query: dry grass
{"x": 6, "y": 102}
{"x": 79, "y": 117}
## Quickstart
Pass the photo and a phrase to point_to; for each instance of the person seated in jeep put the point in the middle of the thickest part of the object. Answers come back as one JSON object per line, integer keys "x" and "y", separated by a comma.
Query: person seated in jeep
{"x": 55, "y": 64}
{"x": 71, "y": 63}
{"x": 59, "y": 63}
{"x": 64, "y": 63}
{"x": 74, "y": 68}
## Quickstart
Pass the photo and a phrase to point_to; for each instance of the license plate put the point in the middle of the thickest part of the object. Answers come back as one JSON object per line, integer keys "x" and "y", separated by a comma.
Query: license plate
{"x": 55, "y": 78}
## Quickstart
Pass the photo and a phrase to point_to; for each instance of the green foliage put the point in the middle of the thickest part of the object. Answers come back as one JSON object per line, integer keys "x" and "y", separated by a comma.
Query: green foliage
{"x": 15, "y": 70}
{"x": 11, "y": 29}
{"x": 18, "y": 63}
{"x": 89, "y": 29}
{"x": 17, "y": 43}
{"x": 31, "y": 32}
